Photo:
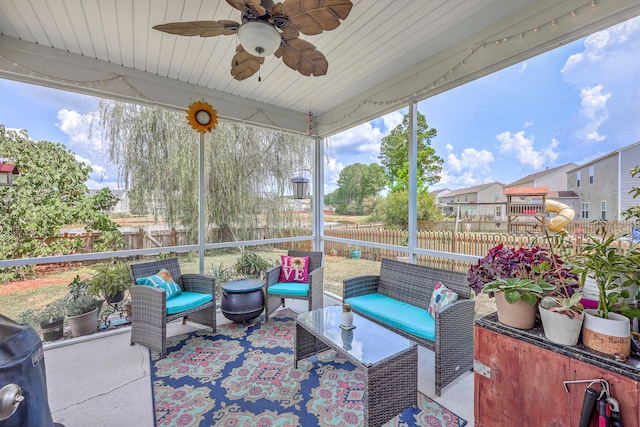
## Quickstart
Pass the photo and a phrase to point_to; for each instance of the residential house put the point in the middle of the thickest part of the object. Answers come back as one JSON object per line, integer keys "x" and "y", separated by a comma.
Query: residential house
{"x": 485, "y": 201}
{"x": 603, "y": 184}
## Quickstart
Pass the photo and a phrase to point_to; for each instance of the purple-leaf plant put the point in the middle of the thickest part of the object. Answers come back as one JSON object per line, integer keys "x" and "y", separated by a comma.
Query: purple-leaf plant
{"x": 534, "y": 263}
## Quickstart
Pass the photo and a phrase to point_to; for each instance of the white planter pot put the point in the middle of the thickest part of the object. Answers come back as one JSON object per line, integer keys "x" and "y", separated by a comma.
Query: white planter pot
{"x": 609, "y": 336}
{"x": 559, "y": 328}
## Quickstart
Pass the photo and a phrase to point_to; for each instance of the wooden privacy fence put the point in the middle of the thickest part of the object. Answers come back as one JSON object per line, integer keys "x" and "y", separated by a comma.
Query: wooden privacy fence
{"x": 468, "y": 243}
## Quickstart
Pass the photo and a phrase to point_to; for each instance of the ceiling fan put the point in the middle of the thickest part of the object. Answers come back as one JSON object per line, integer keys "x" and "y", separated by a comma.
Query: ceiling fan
{"x": 268, "y": 29}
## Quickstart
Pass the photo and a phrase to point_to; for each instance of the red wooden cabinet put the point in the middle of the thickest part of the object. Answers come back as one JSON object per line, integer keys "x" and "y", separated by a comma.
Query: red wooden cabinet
{"x": 519, "y": 383}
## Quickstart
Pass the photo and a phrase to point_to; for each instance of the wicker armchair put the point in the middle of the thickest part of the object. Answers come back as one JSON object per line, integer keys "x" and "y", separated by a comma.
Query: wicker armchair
{"x": 315, "y": 294}
{"x": 149, "y": 304}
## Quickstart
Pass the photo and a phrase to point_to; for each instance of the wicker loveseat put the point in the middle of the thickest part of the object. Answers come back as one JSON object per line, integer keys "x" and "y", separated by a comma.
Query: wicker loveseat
{"x": 150, "y": 311}
{"x": 404, "y": 291}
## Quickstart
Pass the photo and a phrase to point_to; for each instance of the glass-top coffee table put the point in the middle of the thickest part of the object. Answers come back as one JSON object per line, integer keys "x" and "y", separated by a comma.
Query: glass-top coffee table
{"x": 389, "y": 361}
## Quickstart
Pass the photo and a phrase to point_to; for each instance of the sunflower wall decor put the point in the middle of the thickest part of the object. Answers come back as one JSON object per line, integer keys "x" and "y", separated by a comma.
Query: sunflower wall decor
{"x": 202, "y": 117}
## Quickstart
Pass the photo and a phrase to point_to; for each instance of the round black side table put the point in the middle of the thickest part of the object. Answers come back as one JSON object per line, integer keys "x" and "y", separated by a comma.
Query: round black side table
{"x": 242, "y": 300}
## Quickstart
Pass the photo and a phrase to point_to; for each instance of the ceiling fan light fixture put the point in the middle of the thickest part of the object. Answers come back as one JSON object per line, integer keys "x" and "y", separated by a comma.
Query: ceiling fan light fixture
{"x": 258, "y": 38}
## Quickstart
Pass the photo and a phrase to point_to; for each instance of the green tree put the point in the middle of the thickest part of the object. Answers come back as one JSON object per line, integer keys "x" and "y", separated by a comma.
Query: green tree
{"x": 357, "y": 182}
{"x": 248, "y": 171}
{"x": 49, "y": 193}
{"x": 394, "y": 210}
{"x": 394, "y": 156}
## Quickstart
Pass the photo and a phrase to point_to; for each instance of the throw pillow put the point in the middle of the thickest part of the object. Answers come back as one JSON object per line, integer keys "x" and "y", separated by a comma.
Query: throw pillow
{"x": 162, "y": 280}
{"x": 294, "y": 269}
{"x": 441, "y": 297}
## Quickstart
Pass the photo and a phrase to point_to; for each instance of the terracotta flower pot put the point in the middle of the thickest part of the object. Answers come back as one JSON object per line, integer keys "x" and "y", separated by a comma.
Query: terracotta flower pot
{"x": 519, "y": 315}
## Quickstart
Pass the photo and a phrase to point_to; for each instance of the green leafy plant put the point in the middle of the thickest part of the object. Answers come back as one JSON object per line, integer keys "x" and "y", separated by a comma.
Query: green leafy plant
{"x": 612, "y": 269}
{"x": 81, "y": 305}
{"x": 535, "y": 264}
{"x": 110, "y": 278}
{"x": 77, "y": 288}
{"x": 251, "y": 264}
{"x": 55, "y": 310}
{"x": 570, "y": 307}
{"x": 516, "y": 288}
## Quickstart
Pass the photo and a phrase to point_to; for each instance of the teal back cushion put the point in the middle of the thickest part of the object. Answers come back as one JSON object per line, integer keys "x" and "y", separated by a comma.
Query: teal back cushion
{"x": 161, "y": 280}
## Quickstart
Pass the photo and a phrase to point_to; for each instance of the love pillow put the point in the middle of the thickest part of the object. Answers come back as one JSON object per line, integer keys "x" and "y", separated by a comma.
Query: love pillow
{"x": 294, "y": 269}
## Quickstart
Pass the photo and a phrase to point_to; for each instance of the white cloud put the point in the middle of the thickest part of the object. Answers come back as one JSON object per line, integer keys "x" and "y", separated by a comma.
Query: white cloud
{"x": 523, "y": 67}
{"x": 392, "y": 120}
{"x": 470, "y": 167}
{"x": 604, "y": 75}
{"x": 521, "y": 147}
{"x": 88, "y": 147}
{"x": 470, "y": 160}
{"x": 594, "y": 109}
{"x": 332, "y": 169}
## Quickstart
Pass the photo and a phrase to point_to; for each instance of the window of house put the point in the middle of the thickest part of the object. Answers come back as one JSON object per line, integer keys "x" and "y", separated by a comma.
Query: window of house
{"x": 495, "y": 196}
{"x": 465, "y": 198}
{"x": 578, "y": 178}
{"x": 603, "y": 210}
{"x": 498, "y": 211}
{"x": 585, "y": 210}
{"x": 591, "y": 175}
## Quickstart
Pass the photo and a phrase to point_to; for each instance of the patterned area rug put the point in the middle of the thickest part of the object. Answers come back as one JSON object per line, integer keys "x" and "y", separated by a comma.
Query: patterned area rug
{"x": 245, "y": 376}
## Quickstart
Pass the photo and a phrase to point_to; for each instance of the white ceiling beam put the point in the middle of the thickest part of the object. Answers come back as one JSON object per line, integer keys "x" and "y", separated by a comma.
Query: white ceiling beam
{"x": 31, "y": 63}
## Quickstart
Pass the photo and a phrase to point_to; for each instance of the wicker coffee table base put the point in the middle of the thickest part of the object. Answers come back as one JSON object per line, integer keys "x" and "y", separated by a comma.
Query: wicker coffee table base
{"x": 390, "y": 386}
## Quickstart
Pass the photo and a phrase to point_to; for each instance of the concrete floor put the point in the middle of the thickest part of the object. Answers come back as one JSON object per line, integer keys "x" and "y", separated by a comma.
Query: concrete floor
{"x": 101, "y": 380}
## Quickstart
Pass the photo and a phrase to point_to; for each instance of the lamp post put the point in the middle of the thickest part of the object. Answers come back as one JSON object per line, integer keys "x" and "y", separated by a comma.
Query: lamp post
{"x": 300, "y": 187}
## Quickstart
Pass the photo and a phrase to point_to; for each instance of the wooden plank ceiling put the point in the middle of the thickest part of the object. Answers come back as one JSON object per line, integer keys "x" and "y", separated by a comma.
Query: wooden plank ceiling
{"x": 386, "y": 53}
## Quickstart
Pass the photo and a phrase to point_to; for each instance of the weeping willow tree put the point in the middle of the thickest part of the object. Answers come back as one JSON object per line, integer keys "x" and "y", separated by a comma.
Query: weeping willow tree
{"x": 247, "y": 172}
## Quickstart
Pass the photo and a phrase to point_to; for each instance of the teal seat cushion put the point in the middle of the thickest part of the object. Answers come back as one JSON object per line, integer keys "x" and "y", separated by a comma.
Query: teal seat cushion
{"x": 187, "y": 301}
{"x": 414, "y": 320}
{"x": 295, "y": 289}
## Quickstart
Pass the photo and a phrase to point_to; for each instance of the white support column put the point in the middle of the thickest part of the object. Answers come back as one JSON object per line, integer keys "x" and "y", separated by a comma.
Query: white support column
{"x": 318, "y": 195}
{"x": 413, "y": 178}
{"x": 201, "y": 204}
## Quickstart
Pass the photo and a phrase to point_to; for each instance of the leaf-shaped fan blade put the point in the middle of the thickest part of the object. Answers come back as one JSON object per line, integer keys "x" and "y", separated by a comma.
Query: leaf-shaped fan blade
{"x": 244, "y": 65}
{"x": 314, "y": 16}
{"x": 200, "y": 28}
{"x": 302, "y": 56}
{"x": 254, "y": 4}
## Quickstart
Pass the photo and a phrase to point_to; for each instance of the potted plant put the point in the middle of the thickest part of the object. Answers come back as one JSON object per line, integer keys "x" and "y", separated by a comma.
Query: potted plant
{"x": 81, "y": 308}
{"x": 539, "y": 266}
{"x": 111, "y": 280}
{"x": 250, "y": 264}
{"x": 49, "y": 319}
{"x": 355, "y": 251}
{"x": 535, "y": 263}
{"x": 605, "y": 328}
{"x": 562, "y": 318}
{"x": 516, "y": 299}
{"x": 82, "y": 315}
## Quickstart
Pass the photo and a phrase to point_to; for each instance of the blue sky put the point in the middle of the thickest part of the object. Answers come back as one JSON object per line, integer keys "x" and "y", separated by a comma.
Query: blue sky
{"x": 573, "y": 104}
